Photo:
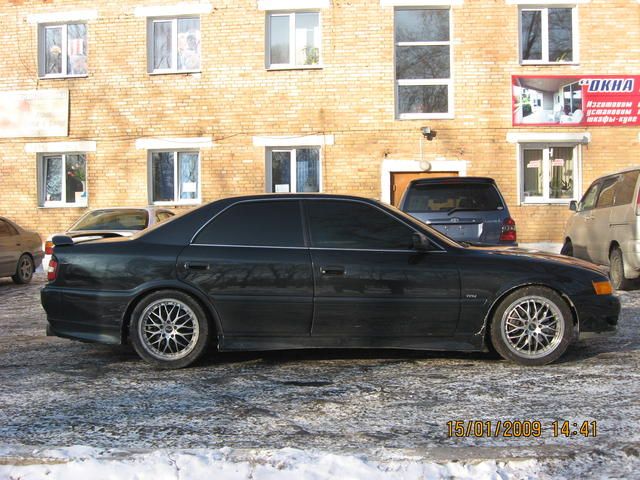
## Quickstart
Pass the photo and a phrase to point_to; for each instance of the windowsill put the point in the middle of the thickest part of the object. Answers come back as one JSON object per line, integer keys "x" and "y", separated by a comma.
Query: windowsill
{"x": 294, "y": 67}
{"x": 174, "y": 72}
{"x": 540, "y": 63}
{"x": 67, "y": 205}
{"x": 62, "y": 77}
{"x": 425, "y": 116}
{"x": 177, "y": 204}
{"x": 548, "y": 201}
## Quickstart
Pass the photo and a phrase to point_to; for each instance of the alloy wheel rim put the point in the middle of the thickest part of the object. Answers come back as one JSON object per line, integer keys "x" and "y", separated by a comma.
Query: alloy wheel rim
{"x": 532, "y": 327}
{"x": 169, "y": 329}
{"x": 25, "y": 269}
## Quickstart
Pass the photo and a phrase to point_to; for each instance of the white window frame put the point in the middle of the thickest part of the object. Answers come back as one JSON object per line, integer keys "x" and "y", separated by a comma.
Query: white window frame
{"x": 42, "y": 202}
{"x": 425, "y": 82}
{"x": 293, "y": 166}
{"x": 544, "y": 8}
{"x": 42, "y": 57}
{"x": 176, "y": 182}
{"x": 292, "y": 44}
{"x": 546, "y": 175}
{"x": 174, "y": 44}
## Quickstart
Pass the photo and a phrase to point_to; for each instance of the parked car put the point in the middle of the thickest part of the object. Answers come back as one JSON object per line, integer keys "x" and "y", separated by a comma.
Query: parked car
{"x": 111, "y": 222}
{"x": 20, "y": 251}
{"x": 288, "y": 271}
{"x": 467, "y": 209}
{"x": 605, "y": 229}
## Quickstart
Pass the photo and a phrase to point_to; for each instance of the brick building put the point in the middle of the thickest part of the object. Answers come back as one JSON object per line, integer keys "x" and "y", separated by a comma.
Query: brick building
{"x": 180, "y": 103}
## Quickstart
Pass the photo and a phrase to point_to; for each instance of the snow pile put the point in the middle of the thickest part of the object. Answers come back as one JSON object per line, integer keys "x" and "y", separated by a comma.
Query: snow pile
{"x": 226, "y": 464}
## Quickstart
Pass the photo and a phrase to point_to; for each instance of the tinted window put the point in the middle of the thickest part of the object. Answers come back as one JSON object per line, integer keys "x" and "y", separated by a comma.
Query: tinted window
{"x": 625, "y": 188}
{"x": 605, "y": 199}
{"x": 589, "y": 199}
{"x": 4, "y": 229}
{"x": 343, "y": 224}
{"x": 113, "y": 220}
{"x": 277, "y": 224}
{"x": 445, "y": 197}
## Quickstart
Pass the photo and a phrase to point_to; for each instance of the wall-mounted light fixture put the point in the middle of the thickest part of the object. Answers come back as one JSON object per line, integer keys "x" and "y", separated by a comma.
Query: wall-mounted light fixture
{"x": 428, "y": 133}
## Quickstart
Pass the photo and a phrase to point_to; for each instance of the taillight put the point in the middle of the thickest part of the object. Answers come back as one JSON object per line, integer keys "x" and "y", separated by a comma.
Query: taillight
{"x": 52, "y": 270}
{"x": 48, "y": 247}
{"x": 508, "y": 230}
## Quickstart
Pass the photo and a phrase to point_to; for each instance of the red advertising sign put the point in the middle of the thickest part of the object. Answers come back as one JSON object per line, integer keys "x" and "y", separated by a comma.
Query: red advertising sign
{"x": 587, "y": 100}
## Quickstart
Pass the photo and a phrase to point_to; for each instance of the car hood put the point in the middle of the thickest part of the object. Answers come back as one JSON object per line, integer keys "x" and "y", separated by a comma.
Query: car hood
{"x": 539, "y": 255}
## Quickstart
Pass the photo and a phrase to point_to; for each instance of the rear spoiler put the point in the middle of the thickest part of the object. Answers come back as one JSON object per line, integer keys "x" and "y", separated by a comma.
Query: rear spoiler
{"x": 62, "y": 240}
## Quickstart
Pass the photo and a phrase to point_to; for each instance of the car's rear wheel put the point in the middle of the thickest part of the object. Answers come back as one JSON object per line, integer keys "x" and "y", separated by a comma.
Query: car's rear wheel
{"x": 169, "y": 329}
{"x": 567, "y": 248}
{"x": 24, "y": 270}
{"x": 616, "y": 270}
{"x": 532, "y": 326}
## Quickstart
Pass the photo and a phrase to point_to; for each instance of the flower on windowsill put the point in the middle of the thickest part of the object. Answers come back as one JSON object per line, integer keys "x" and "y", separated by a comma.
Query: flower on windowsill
{"x": 55, "y": 50}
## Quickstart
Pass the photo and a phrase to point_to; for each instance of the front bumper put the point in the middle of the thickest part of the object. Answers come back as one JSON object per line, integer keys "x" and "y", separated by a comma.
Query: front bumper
{"x": 597, "y": 315}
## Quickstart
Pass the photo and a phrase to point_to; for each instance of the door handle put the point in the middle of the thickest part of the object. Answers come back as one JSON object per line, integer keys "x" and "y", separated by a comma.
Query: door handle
{"x": 196, "y": 266}
{"x": 332, "y": 270}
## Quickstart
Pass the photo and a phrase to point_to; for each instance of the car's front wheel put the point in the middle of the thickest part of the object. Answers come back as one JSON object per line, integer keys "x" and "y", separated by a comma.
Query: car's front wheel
{"x": 24, "y": 270}
{"x": 169, "y": 329}
{"x": 532, "y": 326}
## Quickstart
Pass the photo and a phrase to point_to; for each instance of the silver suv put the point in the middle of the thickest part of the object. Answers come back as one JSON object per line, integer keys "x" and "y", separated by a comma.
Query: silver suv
{"x": 605, "y": 229}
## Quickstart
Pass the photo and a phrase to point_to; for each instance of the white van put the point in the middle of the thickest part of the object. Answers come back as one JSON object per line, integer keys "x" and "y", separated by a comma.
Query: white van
{"x": 605, "y": 227}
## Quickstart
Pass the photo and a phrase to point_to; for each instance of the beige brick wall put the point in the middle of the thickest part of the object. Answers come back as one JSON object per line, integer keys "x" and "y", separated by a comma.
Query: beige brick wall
{"x": 235, "y": 98}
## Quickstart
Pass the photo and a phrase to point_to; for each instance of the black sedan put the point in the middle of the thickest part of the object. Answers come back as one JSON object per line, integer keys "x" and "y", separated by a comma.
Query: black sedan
{"x": 288, "y": 271}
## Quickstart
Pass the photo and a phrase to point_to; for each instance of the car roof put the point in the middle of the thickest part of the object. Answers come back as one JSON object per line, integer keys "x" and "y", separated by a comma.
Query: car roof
{"x": 629, "y": 169}
{"x": 452, "y": 180}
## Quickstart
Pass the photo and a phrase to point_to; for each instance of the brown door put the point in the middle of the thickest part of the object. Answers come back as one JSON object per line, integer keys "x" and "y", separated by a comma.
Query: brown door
{"x": 400, "y": 180}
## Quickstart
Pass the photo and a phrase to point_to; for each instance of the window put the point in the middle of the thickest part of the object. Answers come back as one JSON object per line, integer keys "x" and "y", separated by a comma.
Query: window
{"x": 626, "y": 187}
{"x": 549, "y": 174}
{"x": 448, "y": 198}
{"x": 293, "y": 39}
{"x": 62, "y": 180}
{"x": 423, "y": 63}
{"x": 607, "y": 191}
{"x": 63, "y": 50}
{"x": 6, "y": 230}
{"x": 174, "y": 177}
{"x": 547, "y": 35}
{"x": 352, "y": 225}
{"x": 589, "y": 199}
{"x": 113, "y": 219}
{"x": 271, "y": 223}
{"x": 162, "y": 216}
{"x": 174, "y": 44}
{"x": 293, "y": 169}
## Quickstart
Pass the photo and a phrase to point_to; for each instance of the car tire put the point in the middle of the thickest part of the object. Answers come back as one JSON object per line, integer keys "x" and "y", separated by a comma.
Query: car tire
{"x": 24, "y": 270}
{"x": 616, "y": 270}
{"x": 567, "y": 248}
{"x": 532, "y": 326}
{"x": 169, "y": 329}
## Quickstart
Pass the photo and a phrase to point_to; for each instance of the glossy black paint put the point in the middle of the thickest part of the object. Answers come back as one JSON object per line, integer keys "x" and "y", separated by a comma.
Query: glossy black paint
{"x": 268, "y": 297}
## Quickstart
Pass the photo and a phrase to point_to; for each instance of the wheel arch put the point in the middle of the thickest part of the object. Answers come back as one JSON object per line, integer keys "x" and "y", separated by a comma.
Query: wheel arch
{"x": 489, "y": 315}
{"x": 199, "y": 297}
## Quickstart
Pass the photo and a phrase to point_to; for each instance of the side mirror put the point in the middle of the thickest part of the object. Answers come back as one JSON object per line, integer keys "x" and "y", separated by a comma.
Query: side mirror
{"x": 420, "y": 242}
{"x": 573, "y": 206}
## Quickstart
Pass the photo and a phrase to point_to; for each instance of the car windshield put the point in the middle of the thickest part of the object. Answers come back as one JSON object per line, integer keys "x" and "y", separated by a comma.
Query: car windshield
{"x": 113, "y": 219}
{"x": 447, "y": 198}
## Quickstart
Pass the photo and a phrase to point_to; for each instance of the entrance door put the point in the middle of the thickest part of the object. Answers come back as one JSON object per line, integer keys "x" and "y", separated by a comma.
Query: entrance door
{"x": 400, "y": 181}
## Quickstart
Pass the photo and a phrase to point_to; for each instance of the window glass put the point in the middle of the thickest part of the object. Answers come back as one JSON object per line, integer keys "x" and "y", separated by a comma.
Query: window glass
{"x": 162, "y": 216}
{"x": 605, "y": 199}
{"x": 53, "y": 179}
{"x": 63, "y": 179}
{"x": 77, "y": 49}
{"x": 280, "y": 171}
{"x": 163, "y": 178}
{"x": 531, "y": 35}
{"x": 113, "y": 219}
{"x": 352, "y": 225}
{"x": 532, "y": 172}
{"x": 446, "y": 198}
{"x": 560, "y": 35}
{"x": 162, "y": 42}
{"x": 4, "y": 229}
{"x": 269, "y": 223}
{"x": 188, "y": 168}
{"x": 561, "y": 172}
{"x": 279, "y": 39}
{"x": 307, "y": 38}
{"x": 53, "y": 50}
{"x": 294, "y": 170}
{"x": 188, "y": 44}
{"x": 589, "y": 199}
{"x": 308, "y": 170}
{"x": 422, "y": 57}
{"x": 625, "y": 188}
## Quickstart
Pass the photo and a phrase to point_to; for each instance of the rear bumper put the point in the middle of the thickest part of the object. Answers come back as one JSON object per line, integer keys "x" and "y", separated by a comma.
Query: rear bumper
{"x": 597, "y": 314}
{"x": 90, "y": 316}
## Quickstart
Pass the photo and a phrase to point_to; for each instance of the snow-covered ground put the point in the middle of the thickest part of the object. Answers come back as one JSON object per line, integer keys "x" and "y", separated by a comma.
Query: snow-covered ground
{"x": 74, "y": 410}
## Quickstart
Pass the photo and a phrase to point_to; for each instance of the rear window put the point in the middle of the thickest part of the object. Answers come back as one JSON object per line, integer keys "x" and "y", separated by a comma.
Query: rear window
{"x": 113, "y": 220}
{"x": 447, "y": 197}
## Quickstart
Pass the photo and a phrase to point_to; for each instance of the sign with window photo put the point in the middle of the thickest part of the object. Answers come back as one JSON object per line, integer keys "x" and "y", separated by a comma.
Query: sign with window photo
{"x": 589, "y": 100}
